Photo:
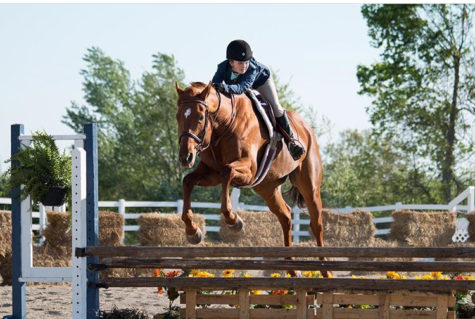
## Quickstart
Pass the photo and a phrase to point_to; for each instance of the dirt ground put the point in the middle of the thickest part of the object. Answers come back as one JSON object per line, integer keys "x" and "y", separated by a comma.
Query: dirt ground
{"x": 53, "y": 301}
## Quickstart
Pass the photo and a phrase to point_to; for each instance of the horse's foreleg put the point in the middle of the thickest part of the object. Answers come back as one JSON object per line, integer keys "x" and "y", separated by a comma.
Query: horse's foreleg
{"x": 202, "y": 176}
{"x": 238, "y": 171}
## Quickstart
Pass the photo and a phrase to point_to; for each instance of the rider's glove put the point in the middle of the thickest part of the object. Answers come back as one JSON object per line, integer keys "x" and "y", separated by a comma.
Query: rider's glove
{"x": 219, "y": 87}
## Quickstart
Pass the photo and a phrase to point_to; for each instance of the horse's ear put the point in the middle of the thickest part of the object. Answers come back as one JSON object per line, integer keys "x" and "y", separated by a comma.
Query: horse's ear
{"x": 178, "y": 88}
{"x": 204, "y": 94}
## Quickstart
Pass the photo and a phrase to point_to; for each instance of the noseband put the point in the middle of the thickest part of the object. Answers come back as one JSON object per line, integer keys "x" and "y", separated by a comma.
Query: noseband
{"x": 200, "y": 138}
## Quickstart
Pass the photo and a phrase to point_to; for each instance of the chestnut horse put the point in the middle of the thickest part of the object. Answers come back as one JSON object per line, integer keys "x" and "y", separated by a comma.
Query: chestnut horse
{"x": 225, "y": 132}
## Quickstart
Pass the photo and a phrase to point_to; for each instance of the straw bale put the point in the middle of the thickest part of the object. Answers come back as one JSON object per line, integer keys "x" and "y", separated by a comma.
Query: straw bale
{"x": 424, "y": 229}
{"x": 6, "y": 268}
{"x": 260, "y": 229}
{"x": 5, "y": 232}
{"x": 111, "y": 225}
{"x": 5, "y": 247}
{"x": 165, "y": 230}
{"x": 348, "y": 229}
{"x": 471, "y": 227}
{"x": 57, "y": 234}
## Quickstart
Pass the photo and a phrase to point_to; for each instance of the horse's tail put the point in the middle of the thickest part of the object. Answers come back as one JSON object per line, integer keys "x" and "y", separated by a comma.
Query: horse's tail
{"x": 296, "y": 197}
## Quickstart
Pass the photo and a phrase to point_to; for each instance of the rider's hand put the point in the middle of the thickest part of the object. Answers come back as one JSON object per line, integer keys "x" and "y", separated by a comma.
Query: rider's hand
{"x": 219, "y": 87}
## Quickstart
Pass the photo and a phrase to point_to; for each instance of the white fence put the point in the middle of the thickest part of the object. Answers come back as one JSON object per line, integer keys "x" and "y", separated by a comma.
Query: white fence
{"x": 299, "y": 216}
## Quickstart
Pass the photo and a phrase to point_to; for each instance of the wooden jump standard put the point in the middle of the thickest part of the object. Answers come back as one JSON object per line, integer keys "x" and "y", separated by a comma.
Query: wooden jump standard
{"x": 383, "y": 294}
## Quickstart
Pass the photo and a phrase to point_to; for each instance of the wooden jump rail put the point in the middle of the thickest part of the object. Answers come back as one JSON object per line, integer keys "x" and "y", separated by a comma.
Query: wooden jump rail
{"x": 385, "y": 296}
{"x": 205, "y": 252}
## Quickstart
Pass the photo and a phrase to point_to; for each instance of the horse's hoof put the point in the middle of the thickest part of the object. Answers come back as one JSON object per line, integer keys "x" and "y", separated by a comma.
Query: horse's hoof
{"x": 196, "y": 238}
{"x": 238, "y": 225}
{"x": 293, "y": 273}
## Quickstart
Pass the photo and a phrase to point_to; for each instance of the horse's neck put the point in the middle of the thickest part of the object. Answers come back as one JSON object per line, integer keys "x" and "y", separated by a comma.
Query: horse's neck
{"x": 224, "y": 115}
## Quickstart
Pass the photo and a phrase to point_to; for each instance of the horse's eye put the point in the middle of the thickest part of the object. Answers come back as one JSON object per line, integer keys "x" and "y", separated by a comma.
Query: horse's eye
{"x": 201, "y": 117}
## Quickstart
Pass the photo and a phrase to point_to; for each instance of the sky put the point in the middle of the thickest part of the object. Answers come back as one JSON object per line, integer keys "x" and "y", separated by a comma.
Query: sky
{"x": 314, "y": 47}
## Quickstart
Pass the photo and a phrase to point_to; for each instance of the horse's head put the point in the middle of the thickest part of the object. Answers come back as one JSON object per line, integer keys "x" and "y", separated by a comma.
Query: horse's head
{"x": 194, "y": 107}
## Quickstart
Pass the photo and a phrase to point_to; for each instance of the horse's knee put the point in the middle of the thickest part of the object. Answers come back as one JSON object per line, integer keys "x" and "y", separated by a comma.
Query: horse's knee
{"x": 188, "y": 181}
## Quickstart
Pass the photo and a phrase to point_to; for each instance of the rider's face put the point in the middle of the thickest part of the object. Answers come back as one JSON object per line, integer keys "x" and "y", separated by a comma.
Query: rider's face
{"x": 239, "y": 67}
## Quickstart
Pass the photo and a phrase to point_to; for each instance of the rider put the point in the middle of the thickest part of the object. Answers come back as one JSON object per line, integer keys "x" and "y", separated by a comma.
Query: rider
{"x": 241, "y": 72}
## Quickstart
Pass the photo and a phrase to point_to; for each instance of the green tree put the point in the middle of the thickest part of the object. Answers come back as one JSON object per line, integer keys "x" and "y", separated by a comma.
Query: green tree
{"x": 424, "y": 85}
{"x": 363, "y": 170}
{"x": 137, "y": 135}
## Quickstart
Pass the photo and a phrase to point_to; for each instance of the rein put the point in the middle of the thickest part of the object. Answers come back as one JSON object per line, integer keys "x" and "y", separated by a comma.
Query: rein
{"x": 200, "y": 138}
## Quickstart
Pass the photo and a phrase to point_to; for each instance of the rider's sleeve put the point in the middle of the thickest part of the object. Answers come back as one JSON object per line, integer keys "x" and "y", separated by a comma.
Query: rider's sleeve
{"x": 244, "y": 83}
{"x": 220, "y": 74}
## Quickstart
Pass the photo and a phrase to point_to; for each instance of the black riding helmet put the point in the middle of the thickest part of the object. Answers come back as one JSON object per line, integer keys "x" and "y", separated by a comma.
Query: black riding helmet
{"x": 238, "y": 50}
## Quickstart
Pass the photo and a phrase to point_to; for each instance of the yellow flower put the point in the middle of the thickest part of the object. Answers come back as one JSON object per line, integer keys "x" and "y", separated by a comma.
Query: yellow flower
{"x": 287, "y": 276}
{"x": 394, "y": 275}
{"x": 204, "y": 274}
{"x": 228, "y": 273}
{"x": 275, "y": 275}
{"x": 255, "y": 292}
{"x": 307, "y": 274}
{"x": 246, "y": 275}
{"x": 194, "y": 273}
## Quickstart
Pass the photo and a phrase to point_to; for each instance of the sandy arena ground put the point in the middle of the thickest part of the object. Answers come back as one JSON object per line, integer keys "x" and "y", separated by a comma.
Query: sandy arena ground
{"x": 50, "y": 301}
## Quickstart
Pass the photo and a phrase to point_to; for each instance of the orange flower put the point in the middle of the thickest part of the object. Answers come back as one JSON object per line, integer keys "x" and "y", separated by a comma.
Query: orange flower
{"x": 157, "y": 273}
{"x": 279, "y": 292}
{"x": 173, "y": 273}
{"x": 160, "y": 290}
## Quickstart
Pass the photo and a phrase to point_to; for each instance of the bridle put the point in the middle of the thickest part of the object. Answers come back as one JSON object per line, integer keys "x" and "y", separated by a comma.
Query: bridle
{"x": 200, "y": 138}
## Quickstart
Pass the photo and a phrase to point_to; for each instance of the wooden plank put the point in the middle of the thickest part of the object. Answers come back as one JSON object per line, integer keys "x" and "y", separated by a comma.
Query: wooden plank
{"x": 451, "y": 315}
{"x": 442, "y": 304}
{"x": 412, "y": 314}
{"x": 278, "y": 300}
{"x": 341, "y": 265}
{"x": 452, "y": 301}
{"x": 384, "y": 306}
{"x": 213, "y": 299}
{"x": 327, "y": 306}
{"x": 244, "y": 304}
{"x": 253, "y": 299}
{"x": 320, "y": 284}
{"x": 302, "y": 306}
{"x": 190, "y": 303}
{"x": 414, "y": 300}
{"x": 400, "y": 299}
{"x": 366, "y": 252}
{"x": 218, "y": 313}
{"x": 348, "y": 313}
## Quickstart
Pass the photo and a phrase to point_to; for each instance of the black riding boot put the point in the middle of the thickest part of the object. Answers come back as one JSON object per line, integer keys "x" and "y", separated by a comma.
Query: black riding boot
{"x": 296, "y": 149}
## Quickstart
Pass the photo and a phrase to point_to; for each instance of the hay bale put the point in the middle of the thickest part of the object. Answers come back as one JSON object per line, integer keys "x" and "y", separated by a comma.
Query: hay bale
{"x": 260, "y": 229}
{"x": 165, "y": 230}
{"x": 425, "y": 229}
{"x": 111, "y": 225}
{"x": 6, "y": 247}
{"x": 471, "y": 227}
{"x": 58, "y": 234}
{"x": 5, "y": 233}
{"x": 348, "y": 229}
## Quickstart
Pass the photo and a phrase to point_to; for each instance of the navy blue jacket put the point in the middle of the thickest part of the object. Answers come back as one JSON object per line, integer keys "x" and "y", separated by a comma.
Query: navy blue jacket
{"x": 256, "y": 75}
